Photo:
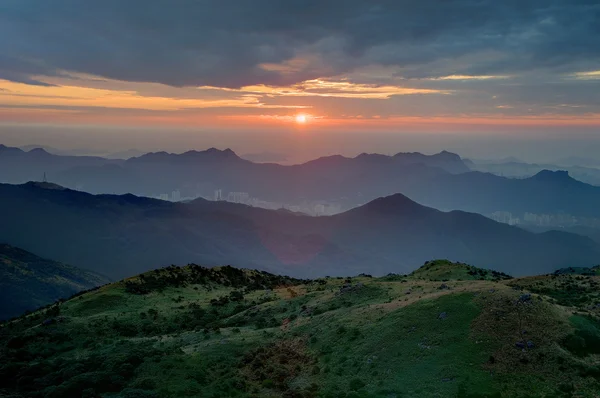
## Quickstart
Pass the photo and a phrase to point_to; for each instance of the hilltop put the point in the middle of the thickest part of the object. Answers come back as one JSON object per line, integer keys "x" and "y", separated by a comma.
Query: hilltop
{"x": 442, "y": 270}
{"x": 28, "y": 282}
{"x": 448, "y": 329}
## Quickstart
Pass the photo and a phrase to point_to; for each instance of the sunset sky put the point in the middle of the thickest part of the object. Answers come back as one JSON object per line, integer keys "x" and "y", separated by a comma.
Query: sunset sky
{"x": 343, "y": 65}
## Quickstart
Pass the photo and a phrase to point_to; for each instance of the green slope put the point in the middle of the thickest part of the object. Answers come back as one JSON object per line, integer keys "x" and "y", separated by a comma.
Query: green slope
{"x": 28, "y": 282}
{"x": 442, "y": 270}
{"x": 579, "y": 271}
{"x": 224, "y": 332}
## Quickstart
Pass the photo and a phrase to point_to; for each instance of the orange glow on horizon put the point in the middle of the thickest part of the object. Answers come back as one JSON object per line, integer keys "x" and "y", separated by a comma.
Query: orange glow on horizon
{"x": 322, "y": 104}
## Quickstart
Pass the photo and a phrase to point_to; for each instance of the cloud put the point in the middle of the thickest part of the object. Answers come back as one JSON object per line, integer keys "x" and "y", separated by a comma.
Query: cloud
{"x": 20, "y": 71}
{"x": 19, "y": 94}
{"x": 587, "y": 75}
{"x": 237, "y": 43}
{"x": 468, "y": 77}
{"x": 334, "y": 89}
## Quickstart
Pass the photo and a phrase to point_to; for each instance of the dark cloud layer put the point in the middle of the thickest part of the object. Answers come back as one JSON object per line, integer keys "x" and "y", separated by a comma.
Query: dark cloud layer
{"x": 223, "y": 43}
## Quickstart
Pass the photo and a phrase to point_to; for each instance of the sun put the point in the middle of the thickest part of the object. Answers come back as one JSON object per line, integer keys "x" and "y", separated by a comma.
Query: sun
{"x": 301, "y": 119}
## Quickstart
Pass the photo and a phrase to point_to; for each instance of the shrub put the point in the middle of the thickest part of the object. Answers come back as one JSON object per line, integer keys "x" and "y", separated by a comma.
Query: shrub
{"x": 356, "y": 384}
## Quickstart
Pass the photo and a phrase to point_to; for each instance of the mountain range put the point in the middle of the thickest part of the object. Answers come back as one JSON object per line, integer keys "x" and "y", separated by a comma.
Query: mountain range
{"x": 202, "y": 172}
{"x": 119, "y": 236}
{"x": 442, "y": 181}
{"x": 514, "y": 168}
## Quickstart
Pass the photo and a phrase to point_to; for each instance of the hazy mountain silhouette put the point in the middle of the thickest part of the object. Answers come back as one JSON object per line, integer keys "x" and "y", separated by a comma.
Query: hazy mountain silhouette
{"x": 545, "y": 192}
{"x": 438, "y": 181}
{"x": 518, "y": 169}
{"x": 17, "y": 165}
{"x": 265, "y": 157}
{"x": 158, "y": 172}
{"x": 123, "y": 235}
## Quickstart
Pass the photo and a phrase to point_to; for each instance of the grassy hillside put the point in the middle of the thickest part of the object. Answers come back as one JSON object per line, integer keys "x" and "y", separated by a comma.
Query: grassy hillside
{"x": 28, "y": 282}
{"x": 447, "y": 330}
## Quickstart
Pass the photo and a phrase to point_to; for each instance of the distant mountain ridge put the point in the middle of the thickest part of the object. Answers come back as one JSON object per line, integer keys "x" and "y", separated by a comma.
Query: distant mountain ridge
{"x": 585, "y": 170}
{"x": 211, "y": 153}
{"x": 18, "y": 165}
{"x": 28, "y": 282}
{"x": 349, "y": 181}
{"x": 124, "y": 235}
{"x": 76, "y": 170}
{"x": 441, "y": 181}
{"x": 548, "y": 192}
